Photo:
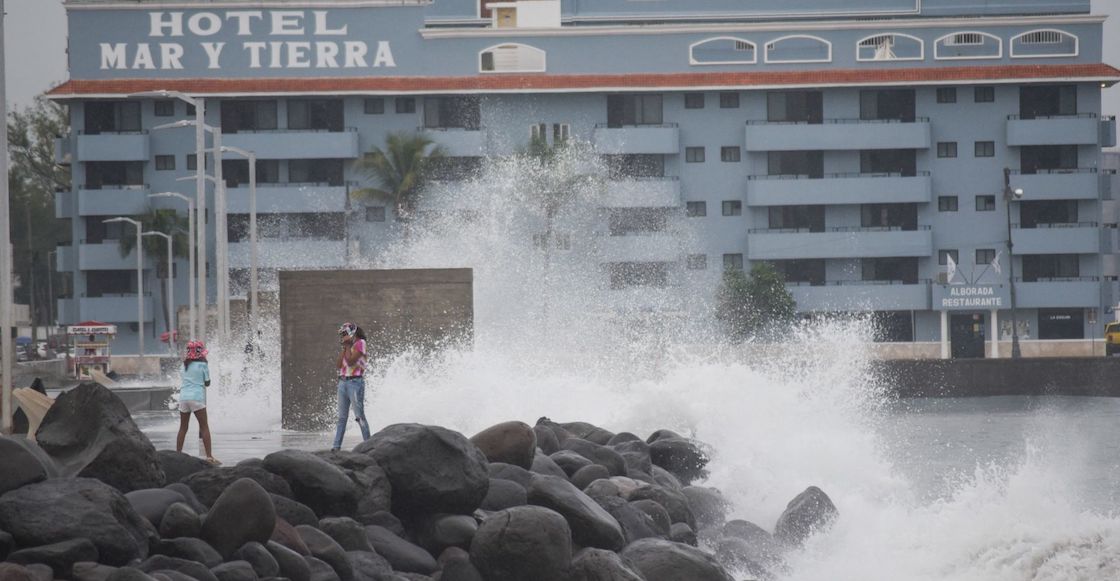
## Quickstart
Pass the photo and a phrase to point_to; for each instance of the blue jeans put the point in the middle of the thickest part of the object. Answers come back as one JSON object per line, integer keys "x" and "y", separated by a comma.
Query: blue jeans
{"x": 351, "y": 390}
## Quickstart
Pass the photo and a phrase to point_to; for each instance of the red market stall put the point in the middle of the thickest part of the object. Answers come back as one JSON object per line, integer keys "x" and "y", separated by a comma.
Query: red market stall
{"x": 90, "y": 348}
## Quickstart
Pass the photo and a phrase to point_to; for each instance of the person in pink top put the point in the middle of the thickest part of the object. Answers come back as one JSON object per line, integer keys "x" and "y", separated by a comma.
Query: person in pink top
{"x": 351, "y": 367}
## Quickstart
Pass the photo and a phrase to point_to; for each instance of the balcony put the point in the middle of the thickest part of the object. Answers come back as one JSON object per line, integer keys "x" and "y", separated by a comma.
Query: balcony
{"x": 1084, "y": 291}
{"x": 657, "y": 192}
{"x": 1060, "y": 184}
{"x": 290, "y": 253}
{"x": 1078, "y": 238}
{"x": 838, "y": 189}
{"x": 64, "y": 259}
{"x": 63, "y": 152}
{"x": 297, "y": 143}
{"x": 861, "y": 295}
{"x": 130, "y": 146}
{"x": 652, "y": 247}
{"x": 113, "y": 201}
{"x": 1082, "y": 129}
{"x": 288, "y": 198}
{"x": 635, "y": 139}
{"x": 1108, "y": 131}
{"x": 837, "y": 134}
{"x": 457, "y": 142}
{"x": 114, "y": 309}
{"x": 63, "y": 202}
{"x": 767, "y": 244}
{"x": 104, "y": 256}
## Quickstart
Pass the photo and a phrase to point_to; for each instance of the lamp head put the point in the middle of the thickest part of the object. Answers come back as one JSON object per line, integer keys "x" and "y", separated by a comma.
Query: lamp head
{"x": 1017, "y": 193}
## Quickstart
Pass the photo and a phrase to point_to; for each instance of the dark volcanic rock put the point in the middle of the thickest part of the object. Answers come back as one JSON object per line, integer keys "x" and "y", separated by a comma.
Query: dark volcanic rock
{"x": 503, "y": 471}
{"x": 546, "y": 439}
{"x": 591, "y": 525}
{"x": 589, "y": 432}
{"x": 661, "y": 435}
{"x": 503, "y": 494}
{"x": 7, "y": 544}
{"x": 525, "y": 542}
{"x": 319, "y": 484}
{"x": 13, "y": 572}
{"x": 91, "y": 571}
{"x": 636, "y": 455}
{"x": 208, "y": 485}
{"x": 674, "y": 501}
{"x": 659, "y": 517}
{"x": 431, "y": 469}
{"x": 455, "y": 565}
{"x": 347, "y": 532}
{"x": 294, "y": 511}
{"x": 59, "y": 510}
{"x": 600, "y": 565}
{"x": 682, "y": 457}
{"x": 157, "y": 563}
{"x": 292, "y": 565}
{"x": 151, "y": 503}
{"x": 437, "y": 532}
{"x": 258, "y": 557}
{"x": 129, "y": 574}
{"x": 635, "y": 523}
{"x": 89, "y": 432}
{"x": 321, "y": 570}
{"x": 401, "y": 554}
{"x": 190, "y": 549}
{"x": 663, "y": 477}
{"x": 388, "y": 521}
{"x": 571, "y": 462}
{"x": 177, "y": 465}
{"x": 805, "y": 514}
{"x": 369, "y": 566}
{"x": 682, "y": 533}
{"x": 287, "y": 535}
{"x": 60, "y": 557}
{"x": 375, "y": 493}
{"x": 660, "y": 560}
{"x": 509, "y": 442}
{"x": 323, "y": 547}
{"x": 708, "y": 506}
{"x": 192, "y": 499}
{"x": 588, "y": 474}
{"x": 21, "y": 466}
{"x": 235, "y": 571}
{"x": 242, "y": 514}
{"x": 623, "y": 437}
{"x": 179, "y": 520}
{"x": 597, "y": 453}
{"x": 545, "y": 465}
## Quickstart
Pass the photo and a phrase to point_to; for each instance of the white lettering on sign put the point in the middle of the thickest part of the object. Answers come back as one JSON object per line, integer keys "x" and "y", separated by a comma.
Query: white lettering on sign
{"x": 279, "y": 54}
{"x": 972, "y": 291}
{"x": 976, "y": 302}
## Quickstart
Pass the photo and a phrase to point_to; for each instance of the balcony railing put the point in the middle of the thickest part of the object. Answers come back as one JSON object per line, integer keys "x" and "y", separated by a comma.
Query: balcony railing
{"x": 838, "y": 134}
{"x": 838, "y": 229}
{"x": 831, "y": 176}
{"x": 839, "y": 121}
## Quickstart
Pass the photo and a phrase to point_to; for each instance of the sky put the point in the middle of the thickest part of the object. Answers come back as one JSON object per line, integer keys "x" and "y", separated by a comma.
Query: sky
{"x": 35, "y": 43}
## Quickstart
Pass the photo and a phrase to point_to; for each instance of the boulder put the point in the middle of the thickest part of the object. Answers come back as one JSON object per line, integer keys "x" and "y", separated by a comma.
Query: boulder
{"x": 7, "y": 544}
{"x": 431, "y": 469}
{"x": 636, "y": 455}
{"x": 570, "y": 462}
{"x": 179, "y": 520}
{"x": 159, "y": 563}
{"x": 503, "y": 494}
{"x": 600, "y": 565}
{"x": 13, "y": 572}
{"x": 21, "y": 466}
{"x": 347, "y": 532}
{"x": 591, "y": 526}
{"x": 659, "y": 517}
{"x": 235, "y": 571}
{"x": 401, "y": 554}
{"x": 151, "y": 503}
{"x": 680, "y": 532}
{"x": 503, "y": 471}
{"x": 369, "y": 566}
{"x": 190, "y": 549}
{"x": 177, "y": 465}
{"x": 626, "y": 486}
{"x": 546, "y": 439}
{"x": 708, "y": 506}
{"x": 602, "y": 487}
{"x": 808, "y": 512}
{"x": 208, "y": 485}
{"x": 292, "y": 565}
{"x": 588, "y": 474}
{"x": 737, "y": 554}
{"x": 661, "y": 435}
{"x": 598, "y": 454}
{"x": 437, "y": 532}
{"x": 91, "y": 571}
{"x": 524, "y": 542}
{"x": 88, "y": 432}
{"x": 60, "y": 556}
{"x": 63, "y": 509}
{"x": 389, "y": 522}
{"x": 661, "y": 560}
{"x": 129, "y": 574}
{"x": 509, "y": 442}
{"x": 323, "y": 547}
{"x": 589, "y": 432}
{"x": 455, "y": 565}
{"x": 674, "y": 501}
{"x": 623, "y": 437}
{"x": 287, "y": 535}
{"x": 375, "y": 493}
{"x": 192, "y": 499}
{"x": 294, "y": 511}
{"x": 251, "y": 463}
{"x": 321, "y": 570}
{"x": 319, "y": 484}
{"x": 39, "y": 572}
{"x": 682, "y": 457}
{"x": 243, "y": 513}
{"x": 545, "y": 465}
{"x": 663, "y": 477}
{"x": 635, "y": 523}
{"x": 258, "y": 557}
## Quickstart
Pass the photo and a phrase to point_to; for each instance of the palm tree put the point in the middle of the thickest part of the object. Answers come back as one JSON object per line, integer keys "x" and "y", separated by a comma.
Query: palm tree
{"x": 399, "y": 172}
{"x": 168, "y": 222}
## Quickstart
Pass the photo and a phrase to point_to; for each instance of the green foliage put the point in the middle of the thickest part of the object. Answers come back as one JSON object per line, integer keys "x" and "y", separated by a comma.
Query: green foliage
{"x": 755, "y": 307}
{"x": 398, "y": 171}
{"x": 155, "y": 247}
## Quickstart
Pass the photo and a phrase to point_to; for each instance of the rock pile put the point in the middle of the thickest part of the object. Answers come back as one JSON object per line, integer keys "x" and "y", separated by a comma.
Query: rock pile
{"x": 551, "y": 502}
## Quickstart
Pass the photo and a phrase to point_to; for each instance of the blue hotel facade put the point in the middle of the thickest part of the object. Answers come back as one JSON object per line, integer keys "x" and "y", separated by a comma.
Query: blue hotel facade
{"x": 860, "y": 147}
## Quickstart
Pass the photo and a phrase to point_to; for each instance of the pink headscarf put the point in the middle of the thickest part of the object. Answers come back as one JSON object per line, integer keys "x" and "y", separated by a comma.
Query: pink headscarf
{"x": 196, "y": 351}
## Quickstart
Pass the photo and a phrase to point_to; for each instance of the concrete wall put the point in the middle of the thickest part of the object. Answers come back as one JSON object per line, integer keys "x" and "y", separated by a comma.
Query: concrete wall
{"x": 398, "y": 309}
{"x": 993, "y": 377}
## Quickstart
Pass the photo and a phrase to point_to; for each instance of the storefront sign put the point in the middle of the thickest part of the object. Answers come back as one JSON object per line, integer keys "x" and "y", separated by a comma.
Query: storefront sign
{"x": 954, "y": 297}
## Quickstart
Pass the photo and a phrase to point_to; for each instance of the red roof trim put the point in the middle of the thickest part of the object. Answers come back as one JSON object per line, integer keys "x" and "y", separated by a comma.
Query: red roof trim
{"x": 546, "y": 82}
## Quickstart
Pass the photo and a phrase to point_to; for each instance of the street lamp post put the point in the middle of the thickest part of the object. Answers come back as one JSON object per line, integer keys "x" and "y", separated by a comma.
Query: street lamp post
{"x": 172, "y": 323}
{"x": 1010, "y": 195}
{"x": 191, "y": 331}
{"x": 252, "y": 156}
{"x": 139, "y": 277}
{"x": 50, "y": 294}
{"x": 6, "y": 351}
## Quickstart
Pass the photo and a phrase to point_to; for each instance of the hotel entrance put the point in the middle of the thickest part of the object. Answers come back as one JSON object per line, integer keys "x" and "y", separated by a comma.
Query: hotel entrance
{"x": 966, "y": 335}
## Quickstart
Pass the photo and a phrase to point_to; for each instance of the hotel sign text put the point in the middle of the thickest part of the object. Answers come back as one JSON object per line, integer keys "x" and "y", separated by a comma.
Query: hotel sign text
{"x": 970, "y": 297}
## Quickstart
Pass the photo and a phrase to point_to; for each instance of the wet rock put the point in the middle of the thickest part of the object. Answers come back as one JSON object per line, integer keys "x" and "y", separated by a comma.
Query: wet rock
{"x": 626, "y": 486}
{"x": 287, "y": 535}
{"x": 7, "y": 544}
{"x": 600, "y": 565}
{"x": 369, "y": 566}
{"x": 570, "y": 462}
{"x": 589, "y": 432}
{"x": 681, "y": 457}
{"x": 192, "y": 499}
{"x": 208, "y": 485}
{"x": 663, "y": 477}
{"x": 60, "y": 557}
{"x": 680, "y": 532}
{"x": 659, "y": 517}
{"x": 635, "y": 523}
{"x": 347, "y": 532}
{"x": 674, "y": 501}
{"x": 591, "y": 526}
{"x": 179, "y": 520}
{"x": 13, "y": 572}
{"x": 129, "y": 574}
{"x": 294, "y": 511}
{"x": 807, "y": 513}
{"x": 39, "y": 572}
{"x": 235, "y": 571}
{"x": 258, "y": 557}
{"x": 597, "y": 453}
{"x": 177, "y": 465}
{"x": 440, "y": 531}
{"x": 545, "y": 465}
{"x": 251, "y": 463}
{"x": 159, "y": 563}
{"x": 525, "y": 542}
{"x": 431, "y": 469}
{"x": 292, "y": 564}
{"x": 90, "y": 571}
{"x": 319, "y": 484}
{"x": 388, "y": 521}
{"x": 63, "y": 509}
{"x": 21, "y": 466}
{"x": 190, "y": 549}
{"x": 661, "y": 560}
{"x": 401, "y": 554}
{"x": 635, "y": 453}
{"x": 503, "y": 471}
{"x": 323, "y": 547}
{"x": 708, "y": 506}
{"x": 735, "y": 553}
{"x": 546, "y": 439}
{"x": 661, "y": 435}
{"x": 602, "y": 487}
{"x": 151, "y": 503}
{"x": 509, "y": 442}
{"x": 242, "y": 514}
{"x": 375, "y": 493}
{"x": 623, "y": 437}
{"x": 503, "y": 494}
{"x": 588, "y": 474}
{"x": 321, "y": 570}
{"x": 88, "y": 432}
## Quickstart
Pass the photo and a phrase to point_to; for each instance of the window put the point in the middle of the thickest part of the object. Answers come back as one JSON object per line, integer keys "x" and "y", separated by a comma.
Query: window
{"x": 512, "y": 58}
{"x": 112, "y": 117}
{"x": 405, "y": 104}
{"x": 946, "y": 203}
{"x": 165, "y": 162}
{"x": 1061, "y": 323}
{"x": 101, "y": 283}
{"x": 889, "y": 216}
{"x": 696, "y": 209}
{"x": 164, "y": 107}
{"x": 724, "y": 50}
{"x": 986, "y": 203}
{"x": 638, "y": 274}
{"x": 890, "y": 47}
{"x": 452, "y": 168}
{"x": 236, "y": 172}
{"x": 895, "y": 270}
{"x": 98, "y": 231}
{"x": 1035, "y": 159}
{"x": 315, "y": 171}
{"x": 732, "y": 208}
{"x": 635, "y": 165}
{"x": 694, "y": 100}
{"x": 808, "y": 271}
{"x": 795, "y": 106}
{"x": 795, "y": 163}
{"x": 965, "y": 39}
{"x": 302, "y": 226}
{"x": 898, "y": 162}
{"x": 248, "y": 115}
{"x": 192, "y": 162}
{"x": 375, "y": 213}
{"x": 459, "y": 112}
{"x": 729, "y": 153}
{"x": 946, "y": 149}
{"x": 694, "y": 154}
{"x": 1046, "y": 267}
{"x": 887, "y": 105}
{"x": 733, "y": 261}
{"x": 985, "y": 95}
{"x": 631, "y": 221}
{"x": 985, "y": 149}
{"x": 1047, "y": 101}
{"x": 561, "y": 132}
{"x": 1044, "y": 44}
{"x": 114, "y": 174}
{"x": 623, "y": 110}
{"x": 798, "y": 49}
{"x": 947, "y": 95}
{"x": 191, "y": 112}
{"x": 315, "y": 114}
{"x": 1036, "y": 213}
{"x": 374, "y": 106}
{"x": 810, "y": 218}
{"x": 968, "y": 45}
{"x": 892, "y": 326}
{"x": 697, "y": 262}
{"x": 729, "y": 100}
{"x": 985, "y": 255}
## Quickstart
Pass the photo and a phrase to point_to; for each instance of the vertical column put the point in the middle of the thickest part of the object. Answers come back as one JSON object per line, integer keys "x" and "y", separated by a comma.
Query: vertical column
{"x": 995, "y": 334}
{"x": 944, "y": 334}
{"x": 6, "y": 351}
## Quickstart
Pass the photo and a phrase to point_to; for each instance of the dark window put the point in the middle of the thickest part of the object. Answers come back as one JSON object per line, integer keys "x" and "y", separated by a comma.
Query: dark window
{"x": 165, "y": 162}
{"x": 374, "y": 106}
{"x": 732, "y": 208}
{"x": 302, "y": 226}
{"x": 795, "y": 106}
{"x": 694, "y": 154}
{"x": 1061, "y": 324}
{"x": 947, "y": 95}
{"x": 1047, "y": 158}
{"x": 887, "y": 104}
{"x": 236, "y": 172}
{"x": 191, "y": 111}
{"x": 733, "y": 261}
{"x": 985, "y": 255}
{"x": 985, "y": 95}
{"x": 946, "y": 149}
{"x": 892, "y": 327}
{"x": 633, "y": 110}
{"x": 315, "y": 114}
{"x": 100, "y": 283}
{"x": 1038, "y": 267}
{"x": 695, "y": 209}
{"x": 809, "y": 218}
{"x": 729, "y": 153}
{"x": 405, "y": 105}
{"x": 639, "y": 274}
{"x": 375, "y": 213}
{"x": 452, "y": 168}
{"x": 164, "y": 107}
{"x": 904, "y": 270}
{"x": 985, "y": 203}
{"x": 101, "y": 174}
{"x": 1047, "y": 101}
{"x": 946, "y": 203}
{"x": 629, "y": 221}
{"x": 694, "y": 100}
{"x": 892, "y": 216}
{"x": 315, "y": 171}
{"x": 1033, "y": 214}
{"x": 797, "y": 163}
{"x": 985, "y": 149}
{"x": 697, "y": 262}
{"x": 729, "y": 100}
{"x": 628, "y": 166}
{"x": 943, "y": 256}
{"x": 902, "y": 162}
{"x": 249, "y": 115}
{"x": 810, "y": 272}
{"x": 451, "y": 112}
{"x": 192, "y": 162}
{"x": 97, "y": 231}
{"x": 112, "y": 117}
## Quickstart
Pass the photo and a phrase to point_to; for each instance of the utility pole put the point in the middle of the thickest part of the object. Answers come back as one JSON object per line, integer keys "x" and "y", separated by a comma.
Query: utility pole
{"x": 6, "y": 352}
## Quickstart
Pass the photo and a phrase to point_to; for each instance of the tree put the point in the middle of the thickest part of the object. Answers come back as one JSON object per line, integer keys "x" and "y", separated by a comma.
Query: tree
{"x": 399, "y": 172}
{"x": 755, "y": 307}
{"x": 155, "y": 247}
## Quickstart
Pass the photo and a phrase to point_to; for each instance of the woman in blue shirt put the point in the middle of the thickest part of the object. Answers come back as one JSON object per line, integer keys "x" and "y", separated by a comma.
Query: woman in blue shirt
{"x": 192, "y": 396}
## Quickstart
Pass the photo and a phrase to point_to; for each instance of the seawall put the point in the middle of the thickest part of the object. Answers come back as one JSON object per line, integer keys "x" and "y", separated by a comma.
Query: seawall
{"x": 1086, "y": 376}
